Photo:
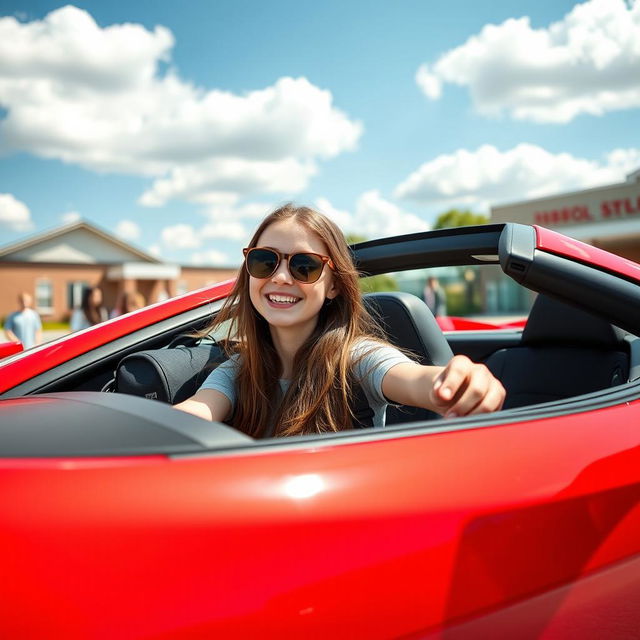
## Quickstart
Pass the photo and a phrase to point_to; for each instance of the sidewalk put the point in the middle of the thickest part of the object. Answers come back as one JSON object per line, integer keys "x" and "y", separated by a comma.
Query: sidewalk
{"x": 48, "y": 336}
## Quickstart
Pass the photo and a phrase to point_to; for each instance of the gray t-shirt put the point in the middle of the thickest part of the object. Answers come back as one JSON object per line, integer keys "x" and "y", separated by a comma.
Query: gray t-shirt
{"x": 371, "y": 359}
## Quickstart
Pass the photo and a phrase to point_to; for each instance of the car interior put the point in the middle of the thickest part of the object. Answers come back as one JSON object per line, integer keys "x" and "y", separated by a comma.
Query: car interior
{"x": 580, "y": 336}
{"x": 173, "y": 375}
{"x": 562, "y": 352}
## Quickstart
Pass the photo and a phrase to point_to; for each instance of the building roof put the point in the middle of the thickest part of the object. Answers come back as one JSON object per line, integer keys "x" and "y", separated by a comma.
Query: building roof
{"x": 77, "y": 243}
{"x": 629, "y": 182}
{"x": 634, "y": 176}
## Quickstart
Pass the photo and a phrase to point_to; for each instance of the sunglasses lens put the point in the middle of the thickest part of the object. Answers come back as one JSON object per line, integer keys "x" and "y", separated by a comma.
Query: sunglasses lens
{"x": 261, "y": 263}
{"x": 305, "y": 267}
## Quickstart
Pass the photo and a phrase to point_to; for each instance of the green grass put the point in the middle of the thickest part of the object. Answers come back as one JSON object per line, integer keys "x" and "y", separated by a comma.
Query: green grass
{"x": 55, "y": 326}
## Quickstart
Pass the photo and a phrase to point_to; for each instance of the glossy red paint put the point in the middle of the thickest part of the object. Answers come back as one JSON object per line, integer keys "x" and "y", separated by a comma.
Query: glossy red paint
{"x": 456, "y": 323}
{"x": 49, "y": 355}
{"x": 553, "y": 242}
{"x": 515, "y": 324}
{"x": 333, "y": 540}
{"x": 9, "y": 348}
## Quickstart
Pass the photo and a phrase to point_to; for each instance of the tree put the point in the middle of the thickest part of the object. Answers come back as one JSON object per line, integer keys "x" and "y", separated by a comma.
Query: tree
{"x": 369, "y": 284}
{"x": 458, "y": 218}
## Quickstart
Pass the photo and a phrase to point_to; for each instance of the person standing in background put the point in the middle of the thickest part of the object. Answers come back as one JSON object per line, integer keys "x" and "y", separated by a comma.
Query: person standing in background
{"x": 128, "y": 301}
{"x": 91, "y": 310}
{"x": 435, "y": 297}
{"x": 24, "y": 325}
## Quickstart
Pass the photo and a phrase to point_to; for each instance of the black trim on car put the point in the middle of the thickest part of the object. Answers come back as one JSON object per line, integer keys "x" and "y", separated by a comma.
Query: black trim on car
{"x": 478, "y": 345}
{"x": 620, "y": 395}
{"x": 428, "y": 249}
{"x": 94, "y": 424}
{"x": 89, "y": 424}
{"x": 598, "y": 292}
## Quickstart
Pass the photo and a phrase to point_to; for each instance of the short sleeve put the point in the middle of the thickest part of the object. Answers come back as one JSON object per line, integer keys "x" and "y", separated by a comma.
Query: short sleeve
{"x": 8, "y": 323}
{"x": 223, "y": 379}
{"x": 371, "y": 362}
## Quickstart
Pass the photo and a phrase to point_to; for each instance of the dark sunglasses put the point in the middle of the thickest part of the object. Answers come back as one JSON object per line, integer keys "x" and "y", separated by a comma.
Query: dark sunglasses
{"x": 304, "y": 267}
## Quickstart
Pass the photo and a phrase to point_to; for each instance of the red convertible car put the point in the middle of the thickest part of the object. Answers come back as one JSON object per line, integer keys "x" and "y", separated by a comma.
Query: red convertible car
{"x": 121, "y": 517}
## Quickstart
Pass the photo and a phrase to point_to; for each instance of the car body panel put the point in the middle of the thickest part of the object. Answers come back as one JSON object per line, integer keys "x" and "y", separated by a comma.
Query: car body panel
{"x": 9, "y": 348}
{"x": 554, "y": 242}
{"x": 457, "y": 323}
{"x": 524, "y": 523}
{"x": 165, "y": 545}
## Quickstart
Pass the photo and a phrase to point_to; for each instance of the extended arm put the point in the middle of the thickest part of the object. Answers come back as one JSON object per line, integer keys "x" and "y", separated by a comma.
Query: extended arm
{"x": 461, "y": 388}
{"x": 10, "y": 335}
{"x": 208, "y": 404}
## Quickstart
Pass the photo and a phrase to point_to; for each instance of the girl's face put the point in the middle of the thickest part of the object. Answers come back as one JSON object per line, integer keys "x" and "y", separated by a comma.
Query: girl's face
{"x": 281, "y": 300}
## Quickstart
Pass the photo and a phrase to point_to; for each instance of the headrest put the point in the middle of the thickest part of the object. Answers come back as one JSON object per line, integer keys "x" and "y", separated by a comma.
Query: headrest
{"x": 409, "y": 324}
{"x": 553, "y": 321}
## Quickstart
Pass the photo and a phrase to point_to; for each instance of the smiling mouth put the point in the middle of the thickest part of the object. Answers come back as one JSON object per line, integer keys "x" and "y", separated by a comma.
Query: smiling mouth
{"x": 282, "y": 300}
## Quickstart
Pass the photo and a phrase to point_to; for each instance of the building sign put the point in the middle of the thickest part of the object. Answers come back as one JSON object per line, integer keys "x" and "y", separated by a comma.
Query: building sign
{"x": 603, "y": 210}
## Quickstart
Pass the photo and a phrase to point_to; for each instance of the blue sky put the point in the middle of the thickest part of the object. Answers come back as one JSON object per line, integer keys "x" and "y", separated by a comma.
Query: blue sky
{"x": 178, "y": 127}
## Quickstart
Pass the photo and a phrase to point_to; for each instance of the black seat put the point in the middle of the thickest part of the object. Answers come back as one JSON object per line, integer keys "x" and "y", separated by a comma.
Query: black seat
{"x": 409, "y": 324}
{"x": 564, "y": 352}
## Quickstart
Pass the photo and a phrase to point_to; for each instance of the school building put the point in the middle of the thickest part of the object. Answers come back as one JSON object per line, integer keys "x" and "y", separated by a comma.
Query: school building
{"x": 606, "y": 217}
{"x": 55, "y": 267}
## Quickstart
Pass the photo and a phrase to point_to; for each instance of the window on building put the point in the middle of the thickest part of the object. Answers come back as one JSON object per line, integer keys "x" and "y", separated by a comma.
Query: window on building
{"x": 44, "y": 296}
{"x": 74, "y": 293}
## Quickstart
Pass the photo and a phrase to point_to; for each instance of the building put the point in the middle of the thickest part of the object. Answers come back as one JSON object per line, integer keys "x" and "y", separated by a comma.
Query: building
{"x": 606, "y": 217}
{"x": 55, "y": 267}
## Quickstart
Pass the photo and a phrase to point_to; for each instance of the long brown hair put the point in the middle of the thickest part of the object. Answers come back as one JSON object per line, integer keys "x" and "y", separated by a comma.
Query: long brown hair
{"x": 94, "y": 313}
{"x": 318, "y": 397}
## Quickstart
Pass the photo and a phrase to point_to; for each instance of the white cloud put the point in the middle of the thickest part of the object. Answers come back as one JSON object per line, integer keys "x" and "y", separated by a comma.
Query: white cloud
{"x": 374, "y": 217}
{"x": 588, "y": 62}
{"x": 342, "y": 218}
{"x": 211, "y": 257}
{"x": 96, "y": 97}
{"x": 14, "y": 214}
{"x": 181, "y": 236}
{"x": 218, "y": 179}
{"x": 128, "y": 230}
{"x": 488, "y": 176}
{"x": 429, "y": 82}
{"x": 71, "y": 216}
{"x": 251, "y": 211}
{"x": 155, "y": 250}
{"x": 226, "y": 222}
{"x": 225, "y": 229}
{"x": 624, "y": 161}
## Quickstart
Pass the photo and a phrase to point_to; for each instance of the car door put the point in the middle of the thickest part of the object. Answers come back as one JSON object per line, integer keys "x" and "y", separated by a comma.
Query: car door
{"x": 524, "y": 525}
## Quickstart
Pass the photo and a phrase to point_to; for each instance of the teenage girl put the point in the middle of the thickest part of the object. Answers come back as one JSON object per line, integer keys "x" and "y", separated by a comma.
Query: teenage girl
{"x": 299, "y": 335}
